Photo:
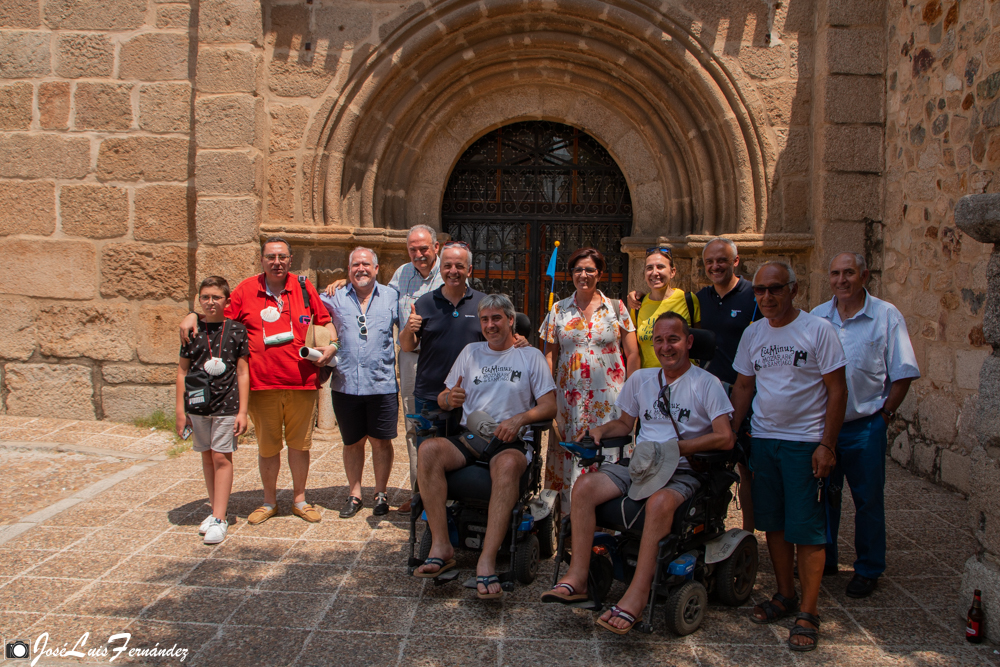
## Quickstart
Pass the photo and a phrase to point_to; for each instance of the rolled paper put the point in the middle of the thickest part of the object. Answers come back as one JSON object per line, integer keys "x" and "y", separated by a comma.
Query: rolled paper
{"x": 314, "y": 355}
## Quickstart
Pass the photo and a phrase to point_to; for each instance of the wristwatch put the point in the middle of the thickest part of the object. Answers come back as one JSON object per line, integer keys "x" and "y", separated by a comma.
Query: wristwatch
{"x": 890, "y": 414}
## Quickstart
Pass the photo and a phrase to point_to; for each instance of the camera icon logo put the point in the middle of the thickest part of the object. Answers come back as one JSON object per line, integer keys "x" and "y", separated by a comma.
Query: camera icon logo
{"x": 17, "y": 650}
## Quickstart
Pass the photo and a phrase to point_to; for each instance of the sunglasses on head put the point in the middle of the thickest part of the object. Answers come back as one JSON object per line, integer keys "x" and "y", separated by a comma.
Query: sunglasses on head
{"x": 460, "y": 244}
{"x": 774, "y": 290}
{"x": 662, "y": 249}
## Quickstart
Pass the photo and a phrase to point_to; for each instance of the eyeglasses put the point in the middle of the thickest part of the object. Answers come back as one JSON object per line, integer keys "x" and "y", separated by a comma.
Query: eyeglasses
{"x": 578, "y": 270}
{"x": 662, "y": 249}
{"x": 282, "y": 258}
{"x": 210, "y": 298}
{"x": 363, "y": 328}
{"x": 773, "y": 289}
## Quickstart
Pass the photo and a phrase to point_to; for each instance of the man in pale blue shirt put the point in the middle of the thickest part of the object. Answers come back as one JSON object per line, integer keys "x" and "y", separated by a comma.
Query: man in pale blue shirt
{"x": 880, "y": 367}
{"x": 420, "y": 276}
{"x": 364, "y": 385}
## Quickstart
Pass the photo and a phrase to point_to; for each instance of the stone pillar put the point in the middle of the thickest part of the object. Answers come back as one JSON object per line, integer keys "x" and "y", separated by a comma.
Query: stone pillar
{"x": 979, "y": 217}
{"x": 848, "y": 119}
{"x": 230, "y": 131}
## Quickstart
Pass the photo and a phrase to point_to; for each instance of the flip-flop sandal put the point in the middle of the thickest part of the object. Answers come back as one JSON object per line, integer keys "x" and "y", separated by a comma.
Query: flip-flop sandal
{"x": 616, "y": 612}
{"x": 773, "y": 612}
{"x": 486, "y": 581}
{"x": 569, "y": 597}
{"x": 443, "y": 566}
{"x": 802, "y": 631}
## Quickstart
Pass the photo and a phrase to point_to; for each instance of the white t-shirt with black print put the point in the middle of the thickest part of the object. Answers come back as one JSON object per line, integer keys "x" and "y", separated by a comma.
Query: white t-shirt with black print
{"x": 789, "y": 363}
{"x": 696, "y": 398}
{"x": 501, "y": 384}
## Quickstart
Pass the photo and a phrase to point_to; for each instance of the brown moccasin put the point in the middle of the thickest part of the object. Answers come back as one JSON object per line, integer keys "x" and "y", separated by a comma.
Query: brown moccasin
{"x": 308, "y": 513}
{"x": 260, "y": 515}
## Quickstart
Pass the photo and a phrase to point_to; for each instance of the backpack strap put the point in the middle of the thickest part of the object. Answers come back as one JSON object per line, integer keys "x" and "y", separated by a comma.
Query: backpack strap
{"x": 689, "y": 300}
{"x": 305, "y": 294}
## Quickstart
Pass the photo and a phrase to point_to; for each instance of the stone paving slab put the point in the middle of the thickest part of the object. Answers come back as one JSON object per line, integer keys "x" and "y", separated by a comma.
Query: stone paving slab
{"x": 129, "y": 560}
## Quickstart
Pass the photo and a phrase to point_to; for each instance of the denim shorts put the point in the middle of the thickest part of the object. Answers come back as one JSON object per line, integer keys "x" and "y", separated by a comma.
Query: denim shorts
{"x": 784, "y": 490}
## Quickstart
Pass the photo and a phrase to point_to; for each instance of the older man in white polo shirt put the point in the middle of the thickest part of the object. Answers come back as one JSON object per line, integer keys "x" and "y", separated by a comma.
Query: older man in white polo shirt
{"x": 880, "y": 367}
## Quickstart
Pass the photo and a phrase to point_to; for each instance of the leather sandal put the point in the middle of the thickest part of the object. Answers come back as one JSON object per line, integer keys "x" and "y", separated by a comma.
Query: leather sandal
{"x": 351, "y": 507}
{"x": 773, "y": 612}
{"x": 802, "y": 631}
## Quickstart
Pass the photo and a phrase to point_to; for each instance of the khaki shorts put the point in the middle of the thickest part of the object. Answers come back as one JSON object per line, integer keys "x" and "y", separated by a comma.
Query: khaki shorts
{"x": 292, "y": 411}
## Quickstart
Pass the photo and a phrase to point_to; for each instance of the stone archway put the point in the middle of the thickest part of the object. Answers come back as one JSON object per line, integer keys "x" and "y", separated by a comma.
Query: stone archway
{"x": 638, "y": 80}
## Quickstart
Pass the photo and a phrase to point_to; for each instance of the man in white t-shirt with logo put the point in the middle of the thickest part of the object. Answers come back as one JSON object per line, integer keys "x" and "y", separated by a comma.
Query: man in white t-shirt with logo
{"x": 796, "y": 362}
{"x": 514, "y": 387}
{"x": 696, "y": 420}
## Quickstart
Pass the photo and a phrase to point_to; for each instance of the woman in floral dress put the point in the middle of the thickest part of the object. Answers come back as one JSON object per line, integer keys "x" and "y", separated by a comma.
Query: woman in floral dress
{"x": 585, "y": 336}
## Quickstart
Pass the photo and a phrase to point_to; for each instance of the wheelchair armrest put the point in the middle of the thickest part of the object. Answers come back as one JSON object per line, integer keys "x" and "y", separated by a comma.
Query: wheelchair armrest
{"x": 619, "y": 443}
{"x": 710, "y": 458}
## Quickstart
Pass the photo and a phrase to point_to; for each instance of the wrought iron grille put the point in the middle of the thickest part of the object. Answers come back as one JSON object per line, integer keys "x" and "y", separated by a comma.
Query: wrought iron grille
{"x": 523, "y": 186}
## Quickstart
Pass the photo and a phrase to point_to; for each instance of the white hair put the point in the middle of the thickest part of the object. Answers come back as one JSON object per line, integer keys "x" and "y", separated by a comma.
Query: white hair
{"x": 422, "y": 228}
{"x": 785, "y": 265}
{"x": 859, "y": 260}
{"x": 350, "y": 258}
{"x": 466, "y": 249}
{"x": 727, "y": 242}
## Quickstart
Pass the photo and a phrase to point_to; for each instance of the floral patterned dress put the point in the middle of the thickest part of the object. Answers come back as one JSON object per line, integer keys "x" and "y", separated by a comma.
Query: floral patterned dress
{"x": 589, "y": 375}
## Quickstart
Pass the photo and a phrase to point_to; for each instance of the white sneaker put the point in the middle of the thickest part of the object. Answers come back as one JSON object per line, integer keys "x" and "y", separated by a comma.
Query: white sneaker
{"x": 216, "y": 532}
{"x": 203, "y": 528}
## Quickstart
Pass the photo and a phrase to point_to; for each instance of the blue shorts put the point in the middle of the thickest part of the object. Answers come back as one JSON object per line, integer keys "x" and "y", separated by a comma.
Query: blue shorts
{"x": 784, "y": 490}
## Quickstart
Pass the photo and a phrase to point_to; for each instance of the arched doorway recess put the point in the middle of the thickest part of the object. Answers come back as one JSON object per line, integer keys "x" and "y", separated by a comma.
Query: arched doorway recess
{"x": 523, "y": 186}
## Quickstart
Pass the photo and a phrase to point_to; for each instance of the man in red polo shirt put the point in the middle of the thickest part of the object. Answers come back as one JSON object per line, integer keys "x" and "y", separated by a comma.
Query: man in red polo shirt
{"x": 283, "y": 387}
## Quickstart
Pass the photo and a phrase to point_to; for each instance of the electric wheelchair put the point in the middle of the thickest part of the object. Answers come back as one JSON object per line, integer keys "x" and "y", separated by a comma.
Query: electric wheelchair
{"x": 697, "y": 559}
{"x": 533, "y": 521}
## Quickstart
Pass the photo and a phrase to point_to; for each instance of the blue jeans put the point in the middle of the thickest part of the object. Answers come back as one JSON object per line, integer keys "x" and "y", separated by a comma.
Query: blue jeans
{"x": 861, "y": 458}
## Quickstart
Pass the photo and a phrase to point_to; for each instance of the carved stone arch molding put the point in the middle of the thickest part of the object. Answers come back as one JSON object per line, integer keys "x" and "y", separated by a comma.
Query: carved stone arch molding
{"x": 630, "y": 75}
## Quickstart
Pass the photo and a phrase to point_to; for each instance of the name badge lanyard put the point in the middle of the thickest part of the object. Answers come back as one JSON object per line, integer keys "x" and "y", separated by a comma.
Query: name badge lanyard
{"x": 215, "y": 365}
{"x": 665, "y": 402}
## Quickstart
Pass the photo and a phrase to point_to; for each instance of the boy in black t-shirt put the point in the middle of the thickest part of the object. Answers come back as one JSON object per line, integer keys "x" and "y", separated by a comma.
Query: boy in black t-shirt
{"x": 213, "y": 388}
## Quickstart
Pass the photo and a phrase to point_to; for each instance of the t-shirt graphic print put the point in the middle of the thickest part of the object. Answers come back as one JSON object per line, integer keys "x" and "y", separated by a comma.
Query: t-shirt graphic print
{"x": 789, "y": 363}
{"x": 501, "y": 384}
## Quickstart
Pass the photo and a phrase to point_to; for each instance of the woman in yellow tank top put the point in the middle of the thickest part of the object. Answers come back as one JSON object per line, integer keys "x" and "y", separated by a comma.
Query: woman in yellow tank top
{"x": 658, "y": 271}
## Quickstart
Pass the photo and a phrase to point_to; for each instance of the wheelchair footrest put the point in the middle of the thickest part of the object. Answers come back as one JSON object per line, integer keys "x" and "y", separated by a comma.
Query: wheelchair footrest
{"x": 445, "y": 578}
{"x": 585, "y": 604}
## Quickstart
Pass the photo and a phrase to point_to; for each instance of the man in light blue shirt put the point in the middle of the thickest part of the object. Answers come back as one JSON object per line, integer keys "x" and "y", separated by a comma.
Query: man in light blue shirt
{"x": 420, "y": 276}
{"x": 364, "y": 383}
{"x": 880, "y": 367}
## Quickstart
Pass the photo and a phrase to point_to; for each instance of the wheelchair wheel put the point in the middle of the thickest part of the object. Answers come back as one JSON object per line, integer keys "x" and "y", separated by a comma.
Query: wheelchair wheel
{"x": 548, "y": 533}
{"x": 526, "y": 560}
{"x": 685, "y": 608}
{"x": 602, "y": 575}
{"x": 735, "y": 577}
{"x": 425, "y": 544}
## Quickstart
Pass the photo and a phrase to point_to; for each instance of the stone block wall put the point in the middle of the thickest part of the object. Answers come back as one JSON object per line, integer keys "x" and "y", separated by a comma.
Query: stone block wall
{"x": 941, "y": 142}
{"x": 96, "y": 204}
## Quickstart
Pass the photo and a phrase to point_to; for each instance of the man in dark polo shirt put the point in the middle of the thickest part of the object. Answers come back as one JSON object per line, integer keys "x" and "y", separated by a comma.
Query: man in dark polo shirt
{"x": 442, "y": 322}
{"x": 727, "y": 309}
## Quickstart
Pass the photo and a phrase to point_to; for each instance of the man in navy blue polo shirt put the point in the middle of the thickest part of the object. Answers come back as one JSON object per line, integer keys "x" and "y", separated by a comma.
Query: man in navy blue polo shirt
{"x": 442, "y": 322}
{"x": 727, "y": 309}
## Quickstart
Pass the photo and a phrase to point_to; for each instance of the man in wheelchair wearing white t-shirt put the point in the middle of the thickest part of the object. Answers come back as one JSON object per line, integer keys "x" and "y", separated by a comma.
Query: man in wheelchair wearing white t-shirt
{"x": 676, "y": 401}
{"x": 514, "y": 386}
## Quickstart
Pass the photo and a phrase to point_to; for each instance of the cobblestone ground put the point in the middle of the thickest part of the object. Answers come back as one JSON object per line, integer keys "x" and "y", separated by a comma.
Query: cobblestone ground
{"x": 124, "y": 556}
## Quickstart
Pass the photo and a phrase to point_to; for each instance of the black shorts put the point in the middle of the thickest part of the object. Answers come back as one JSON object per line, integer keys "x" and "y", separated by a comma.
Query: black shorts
{"x": 374, "y": 415}
{"x": 470, "y": 458}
